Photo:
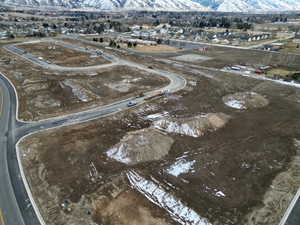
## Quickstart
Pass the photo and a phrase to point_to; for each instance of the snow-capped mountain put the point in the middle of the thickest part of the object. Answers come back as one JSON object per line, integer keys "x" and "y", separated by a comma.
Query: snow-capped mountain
{"x": 251, "y": 5}
{"x": 218, "y": 5}
{"x": 114, "y": 4}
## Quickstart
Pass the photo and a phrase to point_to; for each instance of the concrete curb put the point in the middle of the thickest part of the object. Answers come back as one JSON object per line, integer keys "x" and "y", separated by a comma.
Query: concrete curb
{"x": 27, "y": 187}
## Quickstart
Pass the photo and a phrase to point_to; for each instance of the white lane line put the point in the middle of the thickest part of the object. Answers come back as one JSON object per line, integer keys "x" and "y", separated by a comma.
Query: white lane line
{"x": 290, "y": 208}
{"x": 2, "y": 100}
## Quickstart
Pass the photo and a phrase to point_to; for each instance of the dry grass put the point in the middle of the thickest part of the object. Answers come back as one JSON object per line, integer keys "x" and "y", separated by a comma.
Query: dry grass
{"x": 280, "y": 194}
{"x": 1, "y": 218}
{"x": 155, "y": 48}
{"x": 62, "y": 56}
{"x": 279, "y": 72}
{"x": 291, "y": 47}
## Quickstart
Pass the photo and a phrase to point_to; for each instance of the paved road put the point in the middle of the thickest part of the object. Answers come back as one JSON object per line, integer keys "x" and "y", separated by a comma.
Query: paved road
{"x": 294, "y": 217}
{"x": 16, "y": 199}
{"x": 13, "y": 195}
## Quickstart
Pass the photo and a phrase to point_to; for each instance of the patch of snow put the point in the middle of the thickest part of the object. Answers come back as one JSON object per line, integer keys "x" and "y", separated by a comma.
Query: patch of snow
{"x": 32, "y": 42}
{"x": 136, "y": 79}
{"x": 156, "y": 115}
{"x": 181, "y": 166}
{"x": 235, "y": 104}
{"x": 191, "y": 58}
{"x": 220, "y": 194}
{"x": 173, "y": 127}
{"x": 246, "y": 165}
{"x": 119, "y": 154}
{"x": 159, "y": 196}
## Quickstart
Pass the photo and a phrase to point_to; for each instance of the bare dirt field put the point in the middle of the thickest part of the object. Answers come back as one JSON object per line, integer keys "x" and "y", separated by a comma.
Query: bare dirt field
{"x": 224, "y": 175}
{"x": 221, "y": 57}
{"x": 290, "y": 47}
{"x": 62, "y": 56}
{"x": 215, "y": 57}
{"x": 191, "y": 58}
{"x": 155, "y": 48}
{"x": 43, "y": 93}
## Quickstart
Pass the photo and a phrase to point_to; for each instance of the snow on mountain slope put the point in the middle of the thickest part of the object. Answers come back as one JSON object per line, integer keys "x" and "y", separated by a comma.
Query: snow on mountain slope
{"x": 114, "y": 4}
{"x": 164, "y": 4}
{"x": 213, "y": 4}
{"x": 205, "y": 5}
{"x": 250, "y": 5}
{"x": 38, "y": 2}
{"x": 258, "y": 5}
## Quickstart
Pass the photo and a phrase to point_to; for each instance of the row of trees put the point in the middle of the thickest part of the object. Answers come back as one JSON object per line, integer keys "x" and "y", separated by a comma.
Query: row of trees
{"x": 114, "y": 44}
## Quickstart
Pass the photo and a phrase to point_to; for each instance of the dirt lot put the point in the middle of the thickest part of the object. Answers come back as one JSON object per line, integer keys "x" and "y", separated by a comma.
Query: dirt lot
{"x": 62, "y": 56}
{"x": 155, "y": 48}
{"x": 44, "y": 94}
{"x": 230, "y": 169}
{"x": 221, "y": 57}
{"x": 290, "y": 47}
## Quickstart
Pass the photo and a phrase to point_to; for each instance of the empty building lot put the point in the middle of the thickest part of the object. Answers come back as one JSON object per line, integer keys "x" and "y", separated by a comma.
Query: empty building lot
{"x": 221, "y": 165}
{"x": 54, "y": 53}
{"x": 46, "y": 93}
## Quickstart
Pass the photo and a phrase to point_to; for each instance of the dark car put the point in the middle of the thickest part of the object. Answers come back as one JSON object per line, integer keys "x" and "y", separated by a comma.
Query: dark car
{"x": 130, "y": 104}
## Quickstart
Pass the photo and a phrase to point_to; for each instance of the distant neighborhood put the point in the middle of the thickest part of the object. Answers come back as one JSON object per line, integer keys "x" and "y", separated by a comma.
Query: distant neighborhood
{"x": 237, "y": 29}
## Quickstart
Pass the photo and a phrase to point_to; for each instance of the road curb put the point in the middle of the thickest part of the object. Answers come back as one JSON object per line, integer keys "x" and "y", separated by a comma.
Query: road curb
{"x": 290, "y": 208}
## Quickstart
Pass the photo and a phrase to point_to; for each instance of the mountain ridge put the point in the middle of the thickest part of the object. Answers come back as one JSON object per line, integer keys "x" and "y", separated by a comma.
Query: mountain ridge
{"x": 196, "y": 5}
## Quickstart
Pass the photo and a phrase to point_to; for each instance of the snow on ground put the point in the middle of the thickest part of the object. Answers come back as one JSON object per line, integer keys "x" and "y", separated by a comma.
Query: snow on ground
{"x": 119, "y": 154}
{"x": 159, "y": 196}
{"x": 236, "y": 104}
{"x": 174, "y": 127}
{"x": 156, "y": 115}
{"x": 191, "y": 58}
{"x": 245, "y": 100}
{"x": 220, "y": 194}
{"x": 181, "y": 166}
{"x": 192, "y": 126}
{"x": 214, "y": 191}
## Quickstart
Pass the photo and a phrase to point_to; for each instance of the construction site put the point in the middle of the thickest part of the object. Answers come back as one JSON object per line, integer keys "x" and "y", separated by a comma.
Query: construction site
{"x": 222, "y": 148}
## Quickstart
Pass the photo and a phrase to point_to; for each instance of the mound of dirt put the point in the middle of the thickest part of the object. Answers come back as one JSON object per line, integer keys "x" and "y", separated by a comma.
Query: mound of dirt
{"x": 141, "y": 146}
{"x": 193, "y": 126}
{"x": 245, "y": 100}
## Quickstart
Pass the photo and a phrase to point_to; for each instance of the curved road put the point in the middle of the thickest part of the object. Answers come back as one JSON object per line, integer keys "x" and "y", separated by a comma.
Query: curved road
{"x": 18, "y": 208}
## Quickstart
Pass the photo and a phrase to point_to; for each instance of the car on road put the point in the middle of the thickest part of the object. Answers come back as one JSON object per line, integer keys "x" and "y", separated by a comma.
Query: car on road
{"x": 131, "y": 103}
